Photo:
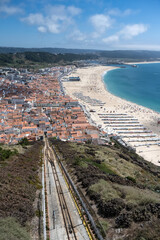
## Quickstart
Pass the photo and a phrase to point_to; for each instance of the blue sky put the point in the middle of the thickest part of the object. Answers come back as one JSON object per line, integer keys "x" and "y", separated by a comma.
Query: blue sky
{"x": 85, "y": 24}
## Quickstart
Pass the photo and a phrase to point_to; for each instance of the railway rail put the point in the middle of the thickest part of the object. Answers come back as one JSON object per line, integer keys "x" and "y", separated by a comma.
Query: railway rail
{"x": 64, "y": 209}
{"x": 70, "y": 230}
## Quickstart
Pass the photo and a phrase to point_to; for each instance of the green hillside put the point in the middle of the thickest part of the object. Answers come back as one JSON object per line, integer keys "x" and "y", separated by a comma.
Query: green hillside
{"x": 20, "y": 190}
{"x": 120, "y": 54}
{"x": 122, "y": 188}
{"x": 40, "y": 59}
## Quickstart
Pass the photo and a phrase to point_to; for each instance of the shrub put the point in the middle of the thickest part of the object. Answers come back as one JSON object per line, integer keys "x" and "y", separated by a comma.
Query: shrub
{"x": 123, "y": 220}
{"x": 6, "y": 153}
{"x": 24, "y": 142}
{"x": 111, "y": 208}
{"x": 141, "y": 214}
{"x": 131, "y": 179}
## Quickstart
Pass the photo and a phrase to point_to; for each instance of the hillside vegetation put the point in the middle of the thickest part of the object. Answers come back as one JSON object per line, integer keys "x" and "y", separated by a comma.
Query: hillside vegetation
{"x": 40, "y": 59}
{"x": 117, "y": 54}
{"x": 19, "y": 182}
{"x": 122, "y": 188}
{"x": 35, "y": 58}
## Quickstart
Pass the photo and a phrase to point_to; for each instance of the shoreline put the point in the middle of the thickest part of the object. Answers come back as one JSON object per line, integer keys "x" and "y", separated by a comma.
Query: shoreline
{"x": 131, "y": 63}
{"x": 91, "y": 87}
{"x": 105, "y": 86}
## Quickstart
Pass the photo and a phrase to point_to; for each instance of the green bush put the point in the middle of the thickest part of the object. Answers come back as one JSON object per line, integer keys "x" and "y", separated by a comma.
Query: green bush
{"x": 6, "y": 153}
{"x": 24, "y": 142}
{"x": 131, "y": 179}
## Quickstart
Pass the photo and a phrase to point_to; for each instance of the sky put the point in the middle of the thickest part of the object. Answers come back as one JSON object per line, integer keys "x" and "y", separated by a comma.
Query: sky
{"x": 82, "y": 24}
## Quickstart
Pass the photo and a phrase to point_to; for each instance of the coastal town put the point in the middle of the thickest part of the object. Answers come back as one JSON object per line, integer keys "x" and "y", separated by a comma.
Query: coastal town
{"x": 56, "y": 102}
{"x": 35, "y": 104}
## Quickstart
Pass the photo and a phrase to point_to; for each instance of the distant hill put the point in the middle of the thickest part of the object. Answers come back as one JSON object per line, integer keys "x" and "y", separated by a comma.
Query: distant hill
{"x": 131, "y": 54}
{"x": 121, "y": 54}
{"x": 49, "y": 50}
{"x": 40, "y": 59}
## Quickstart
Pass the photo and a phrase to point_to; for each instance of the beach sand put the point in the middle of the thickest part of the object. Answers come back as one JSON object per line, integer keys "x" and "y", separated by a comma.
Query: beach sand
{"x": 91, "y": 85}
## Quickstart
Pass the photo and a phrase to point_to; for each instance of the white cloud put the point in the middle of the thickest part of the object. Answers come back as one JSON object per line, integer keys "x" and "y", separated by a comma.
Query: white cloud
{"x": 42, "y": 29}
{"x": 129, "y": 31}
{"x": 127, "y": 12}
{"x": 118, "y": 12}
{"x": 95, "y": 35}
{"x": 57, "y": 12}
{"x": 74, "y": 11}
{"x": 8, "y": 9}
{"x": 56, "y": 19}
{"x": 53, "y": 27}
{"x": 111, "y": 39}
{"x": 101, "y": 22}
{"x": 77, "y": 35}
{"x": 34, "y": 19}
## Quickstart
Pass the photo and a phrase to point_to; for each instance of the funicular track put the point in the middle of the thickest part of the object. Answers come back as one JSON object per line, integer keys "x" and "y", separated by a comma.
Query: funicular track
{"x": 70, "y": 230}
{"x": 64, "y": 209}
{"x": 87, "y": 220}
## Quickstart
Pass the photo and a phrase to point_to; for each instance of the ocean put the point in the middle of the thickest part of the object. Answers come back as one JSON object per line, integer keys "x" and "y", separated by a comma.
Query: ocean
{"x": 139, "y": 84}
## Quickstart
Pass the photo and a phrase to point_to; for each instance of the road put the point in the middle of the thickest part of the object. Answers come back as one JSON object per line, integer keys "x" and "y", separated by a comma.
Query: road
{"x": 64, "y": 219}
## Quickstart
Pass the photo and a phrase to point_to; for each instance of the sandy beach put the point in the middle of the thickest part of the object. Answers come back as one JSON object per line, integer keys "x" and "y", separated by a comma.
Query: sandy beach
{"x": 91, "y": 92}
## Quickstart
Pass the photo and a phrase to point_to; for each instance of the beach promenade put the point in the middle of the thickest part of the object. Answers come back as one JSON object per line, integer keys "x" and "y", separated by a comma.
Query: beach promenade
{"x": 135, "y": 124}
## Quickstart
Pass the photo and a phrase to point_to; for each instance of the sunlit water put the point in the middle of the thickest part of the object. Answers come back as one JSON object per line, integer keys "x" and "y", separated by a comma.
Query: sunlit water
{"x": 139, "y": 84}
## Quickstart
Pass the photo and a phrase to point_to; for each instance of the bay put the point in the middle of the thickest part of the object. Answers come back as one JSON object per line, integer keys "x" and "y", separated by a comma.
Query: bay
{"x": 140, "y": 84}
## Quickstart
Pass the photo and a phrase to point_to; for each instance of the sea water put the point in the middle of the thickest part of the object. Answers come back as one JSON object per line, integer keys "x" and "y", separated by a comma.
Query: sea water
{"x": 139, "y": 84}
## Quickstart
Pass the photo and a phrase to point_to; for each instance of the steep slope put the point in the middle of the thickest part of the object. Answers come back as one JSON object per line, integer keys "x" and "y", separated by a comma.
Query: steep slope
{"x": 122, "y": 188}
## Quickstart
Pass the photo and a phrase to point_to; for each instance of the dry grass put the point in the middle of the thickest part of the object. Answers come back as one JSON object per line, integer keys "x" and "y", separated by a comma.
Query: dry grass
{"x": 104, "y": 224}
{"x": 130, "y": 194}
{"x": 122, "y": 167}
{"x": 10, "y": 229}
{"x": 105, "y": 189}
{"x": 18, "y": 147}
{"x": 119, "y": 165}
{"x": 138, "y": 196}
